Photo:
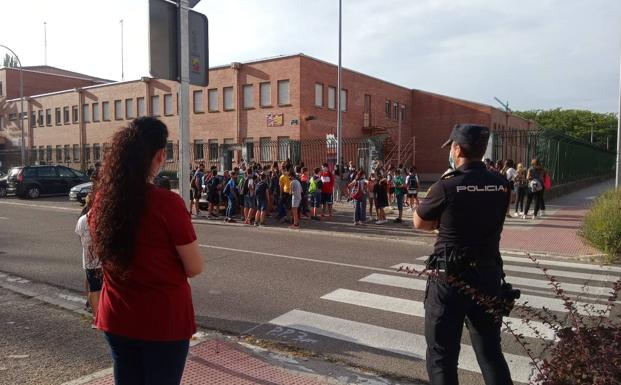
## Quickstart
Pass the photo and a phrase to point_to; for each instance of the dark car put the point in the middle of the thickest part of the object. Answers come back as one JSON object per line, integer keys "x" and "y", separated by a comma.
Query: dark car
{"x": 33, "y": 181}
{"x": 3, "y": 184}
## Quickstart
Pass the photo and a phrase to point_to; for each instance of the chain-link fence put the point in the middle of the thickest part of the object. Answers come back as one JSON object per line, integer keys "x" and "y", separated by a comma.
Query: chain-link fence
{"x": 567, "y": 159}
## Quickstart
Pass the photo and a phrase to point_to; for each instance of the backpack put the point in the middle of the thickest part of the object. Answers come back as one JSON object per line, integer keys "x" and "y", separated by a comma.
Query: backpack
{"x": 535, "y": 186}
{"x": 244, "y": 189}
{"x": 412, "y": 183}
{"x": 312, "y": 185}
{"x": 357, "y": 192}
{"x": 195, "y": 183}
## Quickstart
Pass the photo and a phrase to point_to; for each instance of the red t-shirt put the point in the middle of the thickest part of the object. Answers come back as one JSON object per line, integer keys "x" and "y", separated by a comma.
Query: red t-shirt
{"x": 328, "y": 182}
{"x": 154, "y": 302}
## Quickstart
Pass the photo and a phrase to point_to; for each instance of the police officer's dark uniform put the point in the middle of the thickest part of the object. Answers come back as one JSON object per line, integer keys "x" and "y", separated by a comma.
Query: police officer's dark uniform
{"x": 470, "y": 204}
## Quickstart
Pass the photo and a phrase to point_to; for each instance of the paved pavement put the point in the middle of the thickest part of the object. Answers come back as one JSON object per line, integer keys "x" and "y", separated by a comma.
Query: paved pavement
{"x": 332, "y": 293}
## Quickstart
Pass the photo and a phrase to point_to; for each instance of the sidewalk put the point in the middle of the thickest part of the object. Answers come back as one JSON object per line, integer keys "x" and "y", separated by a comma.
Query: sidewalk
{"x": 558, "y": 232}
{"x": 220, "y": 360}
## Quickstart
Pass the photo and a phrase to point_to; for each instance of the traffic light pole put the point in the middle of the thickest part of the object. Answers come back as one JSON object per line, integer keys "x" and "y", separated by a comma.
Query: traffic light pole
{"x": 184, "y": 103}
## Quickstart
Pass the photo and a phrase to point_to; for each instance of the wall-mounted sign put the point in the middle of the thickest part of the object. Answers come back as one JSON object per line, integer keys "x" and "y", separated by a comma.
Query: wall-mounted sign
{"x": 294, "y": 122}
{"x": 275, "y": 120}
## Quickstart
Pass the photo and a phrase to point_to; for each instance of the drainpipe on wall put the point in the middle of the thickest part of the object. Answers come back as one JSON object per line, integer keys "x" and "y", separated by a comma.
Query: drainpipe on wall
{"x": 81, "y": 128}
{"x": 236, "y": 67}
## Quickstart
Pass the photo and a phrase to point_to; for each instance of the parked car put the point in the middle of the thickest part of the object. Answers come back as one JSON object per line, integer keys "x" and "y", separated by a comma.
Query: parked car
{"x": 33, "y": 181}
{"x": 79, "y": 192}
{"x": 3, "y": 185}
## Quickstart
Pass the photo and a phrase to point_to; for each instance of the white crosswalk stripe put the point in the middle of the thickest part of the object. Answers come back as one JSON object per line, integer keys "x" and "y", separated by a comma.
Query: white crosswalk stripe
{"x": 593, "y": 280}
{"x": 417, "y": 309}
{"x": 395, "y": 341}
{"x": 538, "y": 283}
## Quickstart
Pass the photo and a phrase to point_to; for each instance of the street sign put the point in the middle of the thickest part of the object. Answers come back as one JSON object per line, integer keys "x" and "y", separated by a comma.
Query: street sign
{"x": 164, "y": 44}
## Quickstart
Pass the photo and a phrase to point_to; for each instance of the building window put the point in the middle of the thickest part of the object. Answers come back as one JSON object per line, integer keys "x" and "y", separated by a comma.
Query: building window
{"x": 96, "y": 152}
{"x": 367, "y": 103}
{"x": 248, "y": 96}
{"x": 129, "y": 109}
{"x": 168, "y": 104}
{"x": 48, "y": 117}
{"x": 387, "y": 108}
{"x": 170, "y": 154}
{"x": 249, "y": 144}
{"x": 118, "y": 110}
{"x": 41, "y": 155}
{"x": 266, "y": 94}
{"x": 283, "y": 92}
{"x": 265, "y": 149}
{"x": 213, "y": 149}
{"x": 57, "y": 115}
{"x": 155, "y": 105}
{"x": 76, "y": 153}
{"x": 95, "y": 112}
{"x": 212, "y": 95}
{"x": 59, "y": 153}
{"x": 74, "y": 113}
{"x": 66, "y": 115}
{"x": 67, "y": 153}
{"x": 332, "y": 98}
{"x": 318, "y": 95}
{"x": 141, "y": 109}
{"x": 395, "y": 111}
{"x": 12, "y": 116}
{"x": 402, "y": 113}
{"x": 48, "y": 154}
{"x": 105, "y": 111}
{"x": 228, "y": 98}
{"x": 343, "y": 100}
{"x": 199, "y": 153}
{"x": 40, "y": 118}
{"x": 87, "y": 153}
{"x": 198, "y": 101}
{"x": 85, "y": 110}
{"x": 283, "y": 148}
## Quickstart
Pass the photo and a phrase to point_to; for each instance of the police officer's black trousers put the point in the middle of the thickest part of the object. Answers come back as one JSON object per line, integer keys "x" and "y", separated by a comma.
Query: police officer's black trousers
{"x": 445, "y": 312}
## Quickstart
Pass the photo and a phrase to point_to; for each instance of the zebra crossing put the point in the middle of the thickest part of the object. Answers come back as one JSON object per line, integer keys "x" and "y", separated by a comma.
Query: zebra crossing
{"x": 588, "y": 285}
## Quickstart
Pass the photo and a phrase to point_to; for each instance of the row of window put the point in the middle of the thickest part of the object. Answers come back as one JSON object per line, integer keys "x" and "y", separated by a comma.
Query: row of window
{"x": 331, "y": 97}
{"x": 394, "y": 111}
{"x": 69, "y": 153}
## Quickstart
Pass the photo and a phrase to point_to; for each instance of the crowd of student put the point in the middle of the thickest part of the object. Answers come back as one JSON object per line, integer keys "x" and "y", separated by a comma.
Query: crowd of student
{"x": 526, "y": 184}
{"x": 253, "y": 192}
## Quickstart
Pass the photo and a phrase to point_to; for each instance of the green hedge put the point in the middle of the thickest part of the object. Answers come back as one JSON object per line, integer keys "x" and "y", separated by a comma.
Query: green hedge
{"x": 602, "y": 224}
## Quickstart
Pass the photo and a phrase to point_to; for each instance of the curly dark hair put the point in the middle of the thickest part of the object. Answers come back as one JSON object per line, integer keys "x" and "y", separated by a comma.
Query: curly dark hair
{"x": 120, "y": 192}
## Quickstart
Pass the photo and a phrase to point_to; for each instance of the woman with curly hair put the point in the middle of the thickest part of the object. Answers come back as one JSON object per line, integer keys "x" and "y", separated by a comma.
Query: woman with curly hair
{"x": 144, "y": 238}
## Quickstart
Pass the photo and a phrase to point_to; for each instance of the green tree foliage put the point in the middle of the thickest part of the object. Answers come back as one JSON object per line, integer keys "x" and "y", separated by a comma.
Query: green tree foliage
{"x": 9, "y": 61}
{"x": 578, "y": 123}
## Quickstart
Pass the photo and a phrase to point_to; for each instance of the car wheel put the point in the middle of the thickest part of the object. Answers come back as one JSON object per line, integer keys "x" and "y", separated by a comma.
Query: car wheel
{"x": 33, "y": 192}
{"x": 2, "y": 192}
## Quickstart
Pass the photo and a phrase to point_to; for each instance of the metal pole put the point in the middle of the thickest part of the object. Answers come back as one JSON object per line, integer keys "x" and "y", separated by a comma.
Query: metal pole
{"x": 339, "y": 128}
{"x": 122, "y": 54}
{"x": 45, "y": 42}
{"x": 399, "y": 137}
{"x": 618, "y": 179}
{"x": 184, "y": 102}
{"x": 21, "y": 103}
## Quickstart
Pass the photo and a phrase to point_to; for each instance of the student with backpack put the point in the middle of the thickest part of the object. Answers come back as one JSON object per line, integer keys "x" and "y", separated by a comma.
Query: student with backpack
{"x": 214, "y": 185}
{"x": 399, "y": 188}
{"x": 358, "y": 188}
{"x": 314, "y": 189}
{"x": 248, "y": 193}
{"x": 535, "y": 176}
{"x": 381, "y": 199}
{"x": 304, "y": 181}
{"x": 261, "y": 194}
{"x": 231, "y": 194}
{"x": 412, "y": 183}
{"x": 295, "y": 190}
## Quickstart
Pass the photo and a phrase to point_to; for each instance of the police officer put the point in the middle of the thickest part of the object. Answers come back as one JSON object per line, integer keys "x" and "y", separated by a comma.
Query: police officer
{"x": 467, "y": 205}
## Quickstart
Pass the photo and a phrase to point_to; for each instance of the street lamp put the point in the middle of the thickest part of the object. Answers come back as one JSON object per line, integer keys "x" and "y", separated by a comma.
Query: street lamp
{"x": 21, "y": 101}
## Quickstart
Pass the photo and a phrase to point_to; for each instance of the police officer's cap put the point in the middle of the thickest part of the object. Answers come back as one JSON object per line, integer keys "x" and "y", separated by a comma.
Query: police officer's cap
{"x": 469, "y": 135}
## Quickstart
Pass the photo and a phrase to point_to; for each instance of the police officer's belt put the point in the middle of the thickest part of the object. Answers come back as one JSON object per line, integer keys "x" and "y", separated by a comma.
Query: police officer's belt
{"x": 456, "y": 259}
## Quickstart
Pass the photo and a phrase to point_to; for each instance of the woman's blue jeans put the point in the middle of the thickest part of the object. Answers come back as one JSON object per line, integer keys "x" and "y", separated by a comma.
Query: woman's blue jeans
{"x": 361, "y": 210}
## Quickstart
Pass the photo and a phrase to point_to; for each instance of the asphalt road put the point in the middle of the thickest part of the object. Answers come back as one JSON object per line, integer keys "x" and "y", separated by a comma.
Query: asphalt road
{"x": 335, "y": 293}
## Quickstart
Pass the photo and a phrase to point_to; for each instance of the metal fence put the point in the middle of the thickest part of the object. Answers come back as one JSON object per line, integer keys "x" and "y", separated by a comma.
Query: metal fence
{"x": 567, "y": 159}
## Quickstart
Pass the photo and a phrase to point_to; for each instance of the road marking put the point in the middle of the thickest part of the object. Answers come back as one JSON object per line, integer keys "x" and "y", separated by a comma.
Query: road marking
{"x": 5, "y": 218}
{"x": 535, "y": 301}
{"x": 417, "y": 309}
{"x": 543, "y": 262}
{"x": 41, "y": 206}
{"x": 300, "y": 258}
{"x": 586, "y": 276}
{"x": 545, "y": 284}
{"x": 395, "y": 341}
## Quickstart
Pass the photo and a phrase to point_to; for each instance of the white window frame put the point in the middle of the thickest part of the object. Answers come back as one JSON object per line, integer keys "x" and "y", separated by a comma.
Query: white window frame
{"x": 228, "y": 99}
{"x": 212, "y": 100}
{"x": 95, "y": 108}
{"x": 129, "y": 109}
{"x": 118, "y": 109}
{"x": 265, "y": 90}
{"x": 142, "y": 111}
{"x": 85, "y": 113}
{"x": 331, "y": 98}
{"x": 155, "y": 105}
{"x": 343, "y": 99}
{"x": 197, "y": 101}
{"x": 248, "y": 92}
{"x": 318, "y": 95}
{"x": 168, "y": 105}
{"x": 284, "y": 93}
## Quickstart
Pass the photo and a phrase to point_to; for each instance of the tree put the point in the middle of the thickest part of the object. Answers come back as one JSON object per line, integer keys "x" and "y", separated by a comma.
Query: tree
{"x": 578, "y": 123}
{"x": 9, "y": 61}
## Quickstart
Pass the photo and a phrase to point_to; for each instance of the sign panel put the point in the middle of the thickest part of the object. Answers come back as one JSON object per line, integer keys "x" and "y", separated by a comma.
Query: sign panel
{"x": 275, "y": 120}
{"x": 164, "y": 43}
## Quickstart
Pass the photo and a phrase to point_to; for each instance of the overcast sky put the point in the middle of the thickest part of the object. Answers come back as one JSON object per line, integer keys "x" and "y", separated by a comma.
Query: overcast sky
{"x": 533, "y": 53}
